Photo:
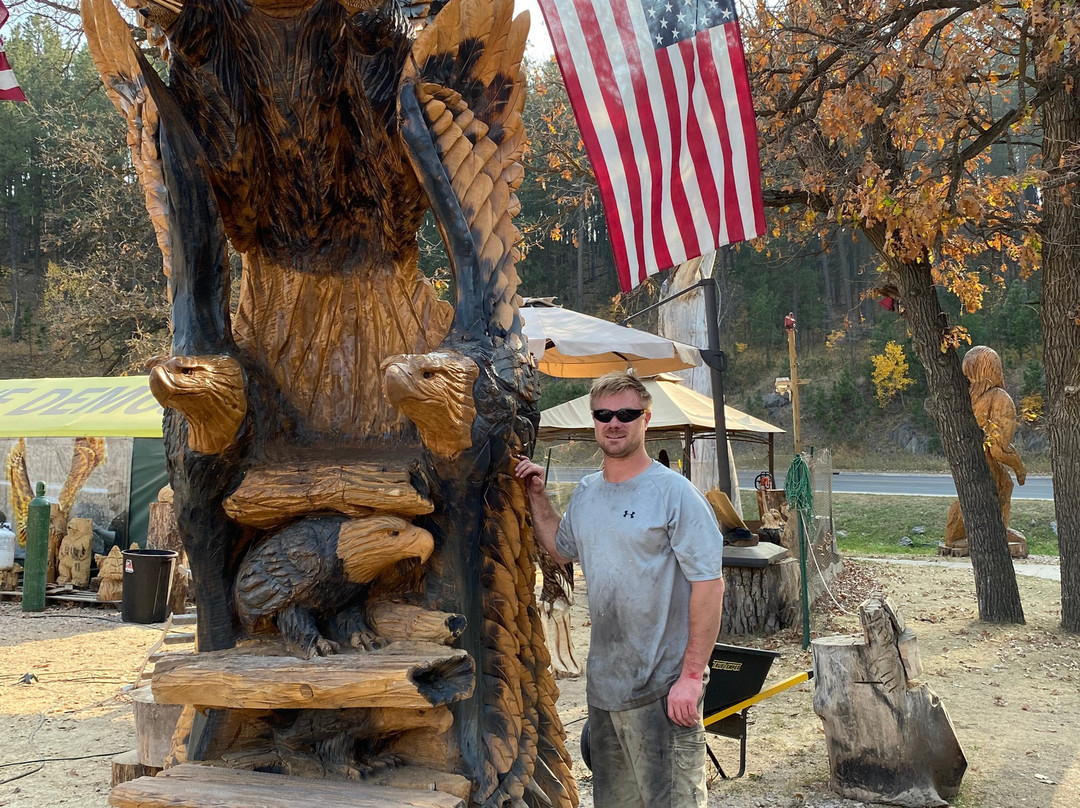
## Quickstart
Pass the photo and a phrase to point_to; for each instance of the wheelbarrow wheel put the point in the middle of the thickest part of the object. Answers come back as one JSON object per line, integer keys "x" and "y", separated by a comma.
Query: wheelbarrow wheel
{"x": 586, "y": 755}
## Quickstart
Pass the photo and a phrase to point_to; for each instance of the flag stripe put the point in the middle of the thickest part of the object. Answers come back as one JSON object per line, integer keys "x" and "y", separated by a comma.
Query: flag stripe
{"x": 592, "y": 142}
{"x": 730, "y": 228}
{"x": 677, "y": 188}
{"x": 738, "y": 75}
{"x": 664, "y": 107}
{"x": 650, "y": 134}
{"x": 706, "y": 162}
{"x": 615, "y": 105}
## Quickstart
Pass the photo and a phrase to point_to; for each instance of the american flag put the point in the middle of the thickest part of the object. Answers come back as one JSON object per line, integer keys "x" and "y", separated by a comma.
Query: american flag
{"x": 9, "y": 87}
{"x": 662, "y": 98}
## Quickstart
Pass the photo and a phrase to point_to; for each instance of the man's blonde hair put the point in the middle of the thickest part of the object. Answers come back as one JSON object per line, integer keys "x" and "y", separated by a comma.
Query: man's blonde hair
{"x": 617, "y": 382}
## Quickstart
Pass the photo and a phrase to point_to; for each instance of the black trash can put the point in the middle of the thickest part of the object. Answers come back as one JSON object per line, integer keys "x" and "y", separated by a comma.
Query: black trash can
{"x": 148, "y": 577}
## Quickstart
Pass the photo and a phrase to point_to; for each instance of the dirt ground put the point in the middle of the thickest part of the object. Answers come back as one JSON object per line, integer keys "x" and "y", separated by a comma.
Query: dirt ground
{"x": 1012, "y": 693}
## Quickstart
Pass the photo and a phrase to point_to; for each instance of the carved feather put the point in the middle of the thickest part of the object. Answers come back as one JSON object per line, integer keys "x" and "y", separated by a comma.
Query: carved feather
{"x": 88, "y": 454}
{"x": 21, "y": 490}
{"x": 467, "y": 70}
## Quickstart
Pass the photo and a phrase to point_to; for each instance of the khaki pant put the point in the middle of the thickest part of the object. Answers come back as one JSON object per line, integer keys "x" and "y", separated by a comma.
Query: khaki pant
{"x": 641, "y": 759}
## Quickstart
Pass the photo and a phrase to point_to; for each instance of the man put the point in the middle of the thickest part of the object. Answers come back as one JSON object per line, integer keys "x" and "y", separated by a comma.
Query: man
{"x": 651, "y": 551}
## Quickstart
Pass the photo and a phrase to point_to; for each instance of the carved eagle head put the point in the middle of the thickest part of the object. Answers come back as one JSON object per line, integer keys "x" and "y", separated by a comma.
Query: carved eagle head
{"x": 209, "y": 391}
{"x": 435, "y": 391}
{"x": 370, "y": 545}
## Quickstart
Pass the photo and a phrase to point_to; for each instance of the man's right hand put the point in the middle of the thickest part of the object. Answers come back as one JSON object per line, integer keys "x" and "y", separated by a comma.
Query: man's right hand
{"x": 545, "y": 518}
{"x": 531, "y": 475}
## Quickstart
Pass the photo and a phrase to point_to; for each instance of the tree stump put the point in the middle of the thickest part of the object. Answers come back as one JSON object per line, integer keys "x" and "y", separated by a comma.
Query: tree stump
{"x": 127, "y": 767}
{"x": 761, "y": 600}
{"x": 162, "y": 533}
{"x": 889, "y": 737}
{"x": 155, "y": 724}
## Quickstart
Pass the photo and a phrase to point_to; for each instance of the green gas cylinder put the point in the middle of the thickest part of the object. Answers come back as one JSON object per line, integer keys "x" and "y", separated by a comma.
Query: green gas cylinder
{"x": 37, "y": 552}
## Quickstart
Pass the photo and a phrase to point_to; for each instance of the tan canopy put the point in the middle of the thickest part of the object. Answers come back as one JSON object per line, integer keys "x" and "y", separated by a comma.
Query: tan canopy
{"x": 675, "y": 408}
{"x": 678, "y": 412}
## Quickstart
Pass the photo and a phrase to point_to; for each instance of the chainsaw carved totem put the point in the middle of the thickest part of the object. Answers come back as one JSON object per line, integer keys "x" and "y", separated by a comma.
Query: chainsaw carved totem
{"x": 340, "y": 441}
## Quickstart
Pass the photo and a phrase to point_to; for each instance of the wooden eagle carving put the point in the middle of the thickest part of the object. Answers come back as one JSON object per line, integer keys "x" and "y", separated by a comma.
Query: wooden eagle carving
{"x": 310, "y": 138}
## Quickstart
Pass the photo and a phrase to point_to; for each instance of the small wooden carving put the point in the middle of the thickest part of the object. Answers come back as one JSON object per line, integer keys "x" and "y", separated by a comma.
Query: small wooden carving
{"x": 58, "y": 528}
{"x": 315, "y": 571}
{"x": 772, "y": 526}
{"x": 889, "y": 737}
{"x": 88, "y": 454}
{"x": 19, "y": 487}
{"x": 9, "y": 578}
{"x": 996, "y": 414}
{"x": 74, "y": 565}
{"x": 111, "y": 573}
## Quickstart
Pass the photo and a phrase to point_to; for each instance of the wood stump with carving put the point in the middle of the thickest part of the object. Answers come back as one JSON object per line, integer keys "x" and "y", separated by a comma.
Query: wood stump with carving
{"x": 341, "y": 449}
{"x": 889, "y": 737}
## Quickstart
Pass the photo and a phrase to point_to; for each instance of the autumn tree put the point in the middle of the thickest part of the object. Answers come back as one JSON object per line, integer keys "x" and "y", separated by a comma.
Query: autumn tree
{"x": 890, "y": 375}
{"x": 879, "y": 115}
{"x": 1054, "y": 43}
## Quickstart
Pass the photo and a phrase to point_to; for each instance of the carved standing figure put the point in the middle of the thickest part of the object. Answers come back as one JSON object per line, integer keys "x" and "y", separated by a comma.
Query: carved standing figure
{"x": 996, "y": 414}
{"x": 312, "y": 136}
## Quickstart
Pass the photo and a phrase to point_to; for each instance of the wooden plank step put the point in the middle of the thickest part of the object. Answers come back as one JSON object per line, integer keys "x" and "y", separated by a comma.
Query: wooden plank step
{"x": 193, "y": 786}
{"x": 175, "y": 637}
{"x": 402, "y": 674}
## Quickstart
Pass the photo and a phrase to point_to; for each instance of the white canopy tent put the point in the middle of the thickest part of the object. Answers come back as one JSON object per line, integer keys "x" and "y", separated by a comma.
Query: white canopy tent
{"x": 569, "y": 344}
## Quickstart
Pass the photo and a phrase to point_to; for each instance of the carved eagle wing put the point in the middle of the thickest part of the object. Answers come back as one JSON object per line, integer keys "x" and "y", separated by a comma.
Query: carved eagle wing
{"x": 466, "y": 79}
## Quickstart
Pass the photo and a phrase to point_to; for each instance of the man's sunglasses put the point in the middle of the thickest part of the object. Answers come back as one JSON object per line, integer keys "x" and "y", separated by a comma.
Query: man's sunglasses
{"x": 625, "y": 416}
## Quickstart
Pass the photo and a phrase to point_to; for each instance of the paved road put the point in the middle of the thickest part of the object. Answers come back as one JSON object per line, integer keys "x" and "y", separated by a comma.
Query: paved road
{"x": 925, "y": 485}
{"x": 857, "y": 482}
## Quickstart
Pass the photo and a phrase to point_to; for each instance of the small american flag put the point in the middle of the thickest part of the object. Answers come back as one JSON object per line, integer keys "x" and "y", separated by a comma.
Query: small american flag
{"x": 662, "y": 98}
{"x": 9, "y": 87}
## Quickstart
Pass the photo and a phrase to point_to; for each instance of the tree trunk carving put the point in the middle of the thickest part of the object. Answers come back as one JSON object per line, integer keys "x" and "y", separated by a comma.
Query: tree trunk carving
{"x": 341, "y": 447}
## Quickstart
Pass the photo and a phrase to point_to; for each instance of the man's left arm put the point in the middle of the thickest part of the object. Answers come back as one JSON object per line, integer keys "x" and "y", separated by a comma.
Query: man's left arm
{"x": 706, "y": 603}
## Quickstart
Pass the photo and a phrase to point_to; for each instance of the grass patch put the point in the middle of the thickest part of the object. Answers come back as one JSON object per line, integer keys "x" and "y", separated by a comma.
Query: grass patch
{"x": 876, "y": 524}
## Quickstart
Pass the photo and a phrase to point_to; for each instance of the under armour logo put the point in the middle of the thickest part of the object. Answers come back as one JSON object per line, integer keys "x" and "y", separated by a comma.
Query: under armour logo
{"x": 628, "y": 513}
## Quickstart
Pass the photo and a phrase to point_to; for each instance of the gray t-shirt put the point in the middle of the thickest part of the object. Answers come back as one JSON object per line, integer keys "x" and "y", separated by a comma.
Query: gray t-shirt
{"x": 640, "y": 543}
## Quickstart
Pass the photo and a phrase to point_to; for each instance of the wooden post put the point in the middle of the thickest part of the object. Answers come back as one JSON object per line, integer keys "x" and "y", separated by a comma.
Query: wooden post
{"x": 796, "y": 429}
